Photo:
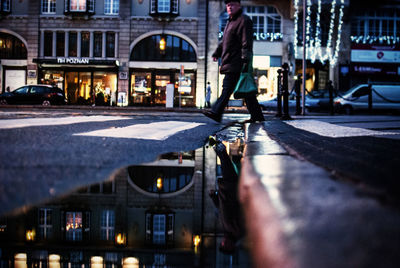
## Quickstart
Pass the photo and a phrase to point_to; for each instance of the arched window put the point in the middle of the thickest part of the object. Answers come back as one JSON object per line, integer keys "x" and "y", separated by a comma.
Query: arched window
{"x": 176, "y": 49}
{"x": 11, "y": 47}
{"x": 160, "y": 179}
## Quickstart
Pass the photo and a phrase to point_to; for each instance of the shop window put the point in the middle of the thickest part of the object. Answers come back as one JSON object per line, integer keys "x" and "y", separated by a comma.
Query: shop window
{"x": 111, "y": 7}
{"x": 5, "y": 7}
{"x": 141, "y": 88}
{"x": 110, "y": 45}
{"x": 160, "y": 228}
{"x": 11, "y": 47}
{"x": 60, "y": 40}
{"x": 98, "y": 45}
{"x": 79, "y": 6}
{"x": 72, "y": 44}
{"x": 48, "y": 6}
{"x": 176, "y": 49}
{"x": 107, "y": 225}
{"x": 48, "y": 44}
{"x": 164, "y": 7}
{"x": 85, "y": 44}
{"x": 105, "y": 88}
{"x": 45, "y": 226}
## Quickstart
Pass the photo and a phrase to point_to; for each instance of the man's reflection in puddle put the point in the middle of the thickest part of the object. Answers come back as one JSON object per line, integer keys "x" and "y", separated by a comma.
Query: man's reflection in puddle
{"x": 226, "y": 200}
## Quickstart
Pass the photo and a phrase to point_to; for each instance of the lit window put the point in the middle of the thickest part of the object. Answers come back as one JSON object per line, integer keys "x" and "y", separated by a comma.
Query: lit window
{"x": 48, "y": 6}
{"x": 79, "y": 6}
{"x": 107, "y": 225}
{"x": 111, "y": 7}
{"x": 376, "y": 27}
{"x": 164, "y": 7}
{"x": 73, "y": 226}
{"x": 45, "y": 223}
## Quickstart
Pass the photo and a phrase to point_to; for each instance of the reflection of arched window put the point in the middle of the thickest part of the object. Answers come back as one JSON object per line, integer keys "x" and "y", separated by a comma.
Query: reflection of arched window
{"x": 172, "y": 178}
{"x": 176, "y": 49}
{"x": 266, "y": 22}
{"x": 11, "y": 47}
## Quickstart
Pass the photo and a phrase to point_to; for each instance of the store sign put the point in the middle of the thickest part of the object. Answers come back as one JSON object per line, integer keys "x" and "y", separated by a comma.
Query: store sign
{"x": 376, "y": 69}
{"x": 383, "y": 56}
{"x": 73, "y": 60}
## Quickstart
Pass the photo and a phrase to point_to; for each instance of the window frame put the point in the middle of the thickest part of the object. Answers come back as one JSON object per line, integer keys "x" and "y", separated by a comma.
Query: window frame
{"x": 7, "y": 9}
{"x": 45, "y": 229}
{"x": 51, "y": 4}
{"x": 166, "y": 231}
{"x": 114, "y": 10}
{"x": 107, "y": 225}
{"x": 173, "y": 7}
{"x": 88, "y": 10}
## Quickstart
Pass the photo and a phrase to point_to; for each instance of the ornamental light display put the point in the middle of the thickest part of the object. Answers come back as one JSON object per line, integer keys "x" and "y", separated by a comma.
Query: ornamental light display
{"x": 313, "y": 43}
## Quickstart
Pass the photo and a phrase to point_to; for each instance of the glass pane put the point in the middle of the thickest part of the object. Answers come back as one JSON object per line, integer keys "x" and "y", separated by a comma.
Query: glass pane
{"x": 73, "y": 44}
{"x": 97, "y": 44}
{"x": 85, "y": 44}
{"x": 60, "y": 44}
{"x": 48, "y": 44}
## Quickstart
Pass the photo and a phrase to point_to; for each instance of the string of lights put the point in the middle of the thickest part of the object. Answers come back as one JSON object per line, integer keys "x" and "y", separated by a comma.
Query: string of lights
{"x": 314, "y": 50}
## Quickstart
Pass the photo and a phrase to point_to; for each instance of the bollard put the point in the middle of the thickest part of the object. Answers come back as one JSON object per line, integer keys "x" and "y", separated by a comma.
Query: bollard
{"x": 279, "y": 94}
{"x": 370, "y": 98}
{"x": 285, "y": 89}
{"x": 330, "y": 90}
{"x": 297, "y": 85}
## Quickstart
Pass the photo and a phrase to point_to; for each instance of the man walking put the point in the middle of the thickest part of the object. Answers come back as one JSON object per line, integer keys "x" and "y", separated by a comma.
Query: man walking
{"x": 235, "y": 51}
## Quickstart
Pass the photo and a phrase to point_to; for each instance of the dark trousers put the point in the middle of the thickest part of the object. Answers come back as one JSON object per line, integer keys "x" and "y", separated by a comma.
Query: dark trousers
{"x": 230, "y": 214}
{"x": 228, "y": 86}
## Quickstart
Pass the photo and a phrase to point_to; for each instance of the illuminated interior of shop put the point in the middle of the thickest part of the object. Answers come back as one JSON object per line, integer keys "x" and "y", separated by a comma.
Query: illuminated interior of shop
{"x": 80, "y": 90}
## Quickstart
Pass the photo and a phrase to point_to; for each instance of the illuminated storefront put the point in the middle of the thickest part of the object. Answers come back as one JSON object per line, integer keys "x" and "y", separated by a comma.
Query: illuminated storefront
{"x": 159, "y": 62}
{"x": 84, "y": 81}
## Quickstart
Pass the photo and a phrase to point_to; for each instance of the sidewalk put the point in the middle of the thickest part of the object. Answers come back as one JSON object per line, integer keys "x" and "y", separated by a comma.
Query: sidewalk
{"x": 301, "y": 215}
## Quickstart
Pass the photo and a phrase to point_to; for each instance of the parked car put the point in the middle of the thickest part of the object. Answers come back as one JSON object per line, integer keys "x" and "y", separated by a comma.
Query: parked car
{"x": 34, "y": 94}
{"x": 272, "y": 104}
{"x": 318, "y": 101}
{"x": 384, "y": 97}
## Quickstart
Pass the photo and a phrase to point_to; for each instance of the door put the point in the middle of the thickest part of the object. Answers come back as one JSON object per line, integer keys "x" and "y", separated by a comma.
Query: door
{"x": 71, "y": 87}
{"x": 14, "y": 79}
{"x": 161, "y": 81}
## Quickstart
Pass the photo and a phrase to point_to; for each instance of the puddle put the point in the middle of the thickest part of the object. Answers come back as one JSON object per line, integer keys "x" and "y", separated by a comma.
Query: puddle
{"x": 173, "y": 212}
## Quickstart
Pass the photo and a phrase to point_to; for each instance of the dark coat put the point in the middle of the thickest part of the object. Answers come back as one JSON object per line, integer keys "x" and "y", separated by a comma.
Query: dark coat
{"x": 236, "y": 47}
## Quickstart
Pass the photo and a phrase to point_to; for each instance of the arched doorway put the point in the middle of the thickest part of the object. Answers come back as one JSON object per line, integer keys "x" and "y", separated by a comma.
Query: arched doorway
{"x": 160, "y": 61}
{"x": 12, "y": 51}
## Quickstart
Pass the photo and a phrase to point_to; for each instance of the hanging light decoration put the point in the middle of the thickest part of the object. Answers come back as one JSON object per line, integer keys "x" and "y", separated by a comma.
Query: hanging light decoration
{"x": 314, "y": 45}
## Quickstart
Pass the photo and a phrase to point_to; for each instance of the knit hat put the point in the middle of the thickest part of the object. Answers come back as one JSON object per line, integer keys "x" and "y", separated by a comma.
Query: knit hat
{"x": 229, "y": 1}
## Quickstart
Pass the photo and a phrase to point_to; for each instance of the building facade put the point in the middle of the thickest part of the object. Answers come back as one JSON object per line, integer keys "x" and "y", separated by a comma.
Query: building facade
{"x": 158, "y": 52}
{"x": 105, "y": 52}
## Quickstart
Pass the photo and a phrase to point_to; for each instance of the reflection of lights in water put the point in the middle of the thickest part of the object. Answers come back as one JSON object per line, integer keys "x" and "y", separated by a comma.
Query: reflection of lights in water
{"x": 159, "y": 183}
{"x": 96, "y": 262}
{"x": 30, "y": 235}
{"x": 120, "y": 239}
{"x": 54, "y": 261}
{"x": 20, "y": 260}
{"x": 130, "y": 262}
{"x": 73, "y": 226}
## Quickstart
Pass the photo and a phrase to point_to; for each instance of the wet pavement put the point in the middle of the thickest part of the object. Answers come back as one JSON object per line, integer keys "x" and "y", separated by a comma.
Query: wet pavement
{"x": 313, "y": 194}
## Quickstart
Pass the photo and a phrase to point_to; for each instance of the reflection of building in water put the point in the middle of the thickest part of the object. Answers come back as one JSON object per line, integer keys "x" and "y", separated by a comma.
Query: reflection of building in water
{"x": 153, "y": 214}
